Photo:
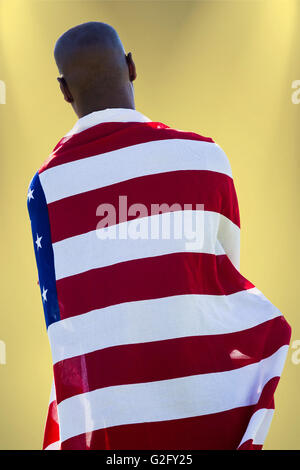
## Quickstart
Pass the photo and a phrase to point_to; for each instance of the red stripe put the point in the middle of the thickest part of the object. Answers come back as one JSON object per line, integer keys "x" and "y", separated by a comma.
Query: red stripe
{"x": 212, "y": 432}
{"x": 168, "y": 359}
{"x": 248, "y": 445}
{"x": 51, "y": 433}
{"x": 149, "y": 278}
{"x": 77, "y": 214}
{"x": 106, "y": 137}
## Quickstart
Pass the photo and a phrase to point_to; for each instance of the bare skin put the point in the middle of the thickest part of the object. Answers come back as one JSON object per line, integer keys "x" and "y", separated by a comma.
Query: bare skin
{"x": 95, "y": 72}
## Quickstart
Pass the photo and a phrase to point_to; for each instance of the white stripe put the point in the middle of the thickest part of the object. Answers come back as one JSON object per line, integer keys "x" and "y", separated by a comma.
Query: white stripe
{"x": 168, "y": 399}
{"x": 107, "y": 115}
{"x": 229, "y": 237}
{"x": 52, "y": 393}
{"x": 131, "y": 162}
{"x": 158, "y": 319}
{"x": 53, "y": 446}
{"x": 258, "y": 426}
{"x": 264, "y": 427}
{"x": 81, "y": 253}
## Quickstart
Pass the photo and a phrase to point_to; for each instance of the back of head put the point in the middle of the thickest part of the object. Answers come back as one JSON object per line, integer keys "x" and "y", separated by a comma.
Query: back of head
{"x": 92, "y": 62}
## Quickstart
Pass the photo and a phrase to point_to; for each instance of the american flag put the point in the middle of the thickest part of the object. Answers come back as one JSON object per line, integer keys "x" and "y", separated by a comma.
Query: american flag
{"x": 155, "y": 345}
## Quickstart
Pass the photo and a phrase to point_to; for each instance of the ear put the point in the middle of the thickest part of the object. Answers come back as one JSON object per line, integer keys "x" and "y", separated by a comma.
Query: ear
{"x": 131, "y": 67}
{"x": 65, "y": 90}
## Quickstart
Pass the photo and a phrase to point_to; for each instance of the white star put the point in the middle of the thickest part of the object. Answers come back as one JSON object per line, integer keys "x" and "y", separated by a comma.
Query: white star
{"x": 30, "y": 194}
{"x": 44, "y": 294}
{"x": 38, "y": 241}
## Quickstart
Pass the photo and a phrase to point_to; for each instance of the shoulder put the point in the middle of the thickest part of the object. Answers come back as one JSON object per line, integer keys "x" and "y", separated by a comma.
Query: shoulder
{"x": 205, "y": 147}
{"x": 36, "y": 200}
{"x": 54, "y": 154}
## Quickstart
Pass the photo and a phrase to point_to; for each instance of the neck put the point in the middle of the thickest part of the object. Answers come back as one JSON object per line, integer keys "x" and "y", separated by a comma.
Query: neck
{"x": 117, "y": 100}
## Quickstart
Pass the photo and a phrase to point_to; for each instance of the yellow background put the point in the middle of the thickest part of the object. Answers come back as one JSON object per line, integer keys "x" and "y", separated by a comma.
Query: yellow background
{"x": 220, "y": 68}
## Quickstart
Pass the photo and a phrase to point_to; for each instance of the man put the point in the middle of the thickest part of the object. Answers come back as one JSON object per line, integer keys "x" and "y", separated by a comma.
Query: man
{"x": 158, "y": 342}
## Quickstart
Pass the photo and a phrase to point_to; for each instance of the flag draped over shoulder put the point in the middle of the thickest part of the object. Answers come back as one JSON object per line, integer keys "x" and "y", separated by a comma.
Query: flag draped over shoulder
{"x": 157, "y": 343}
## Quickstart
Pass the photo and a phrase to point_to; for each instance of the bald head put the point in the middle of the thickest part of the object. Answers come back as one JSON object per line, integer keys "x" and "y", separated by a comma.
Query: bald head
{"x": 95, "y": 71}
